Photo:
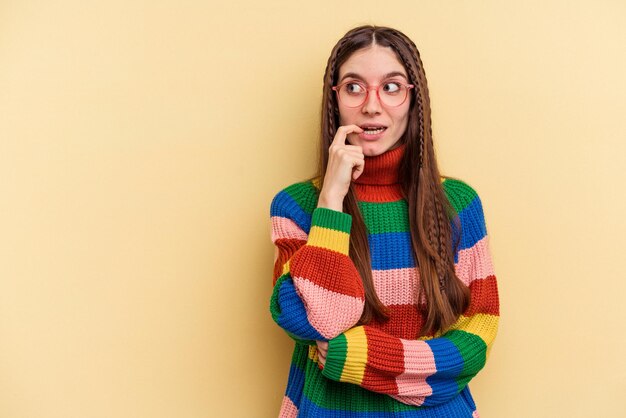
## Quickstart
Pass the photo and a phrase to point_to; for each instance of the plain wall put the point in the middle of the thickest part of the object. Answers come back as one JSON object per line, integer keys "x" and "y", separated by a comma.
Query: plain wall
{"x": 141, "y": 143}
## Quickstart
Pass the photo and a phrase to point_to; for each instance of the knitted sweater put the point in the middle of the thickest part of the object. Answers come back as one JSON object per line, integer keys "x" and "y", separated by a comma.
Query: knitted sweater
{"x": 382, "y": 369}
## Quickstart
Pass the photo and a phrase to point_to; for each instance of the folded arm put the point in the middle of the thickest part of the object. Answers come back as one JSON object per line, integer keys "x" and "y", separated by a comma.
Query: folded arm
{"x": 428, "y": 371}
{"x": 318, "y": 292}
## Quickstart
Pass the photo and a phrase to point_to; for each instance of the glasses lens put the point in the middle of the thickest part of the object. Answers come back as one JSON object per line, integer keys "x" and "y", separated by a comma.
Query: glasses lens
{"x": 392, "y": 93}
{"x": 352, "y": 94}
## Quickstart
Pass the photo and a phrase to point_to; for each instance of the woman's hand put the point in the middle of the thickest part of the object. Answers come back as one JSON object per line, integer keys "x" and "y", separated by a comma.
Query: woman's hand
{"x": 322, "y": 350}
{"x": 345, "y": 164}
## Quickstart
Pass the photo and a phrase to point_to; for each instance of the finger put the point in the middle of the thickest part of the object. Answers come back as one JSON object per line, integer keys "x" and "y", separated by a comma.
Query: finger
{"x": 345, "y": 160}
{"x": 322, "y": 361}
{"x": 350, "y": 157}
{"x": 358, "y": 169}
{"x": 342, "y": 133}
{"x": 358, "y": 155}
{"x": 353, "y": 148}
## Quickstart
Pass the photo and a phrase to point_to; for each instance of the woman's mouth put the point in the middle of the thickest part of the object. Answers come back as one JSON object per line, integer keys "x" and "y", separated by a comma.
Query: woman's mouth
{"x": 372, "y": 132}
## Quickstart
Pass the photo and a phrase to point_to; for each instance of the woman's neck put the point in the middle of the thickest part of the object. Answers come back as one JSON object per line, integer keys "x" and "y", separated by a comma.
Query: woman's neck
{"x": 379, "y": 181}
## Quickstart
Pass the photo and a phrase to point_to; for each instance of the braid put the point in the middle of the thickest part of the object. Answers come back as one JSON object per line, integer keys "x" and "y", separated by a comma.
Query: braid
{"x": 442, "y": 248}
{"x": 331, "y": 117}
{"x": 422, "y": 93}
{"x": 433, "y": 207}
{"x": 417, "y": 80}
{"x": 331, "y": 69}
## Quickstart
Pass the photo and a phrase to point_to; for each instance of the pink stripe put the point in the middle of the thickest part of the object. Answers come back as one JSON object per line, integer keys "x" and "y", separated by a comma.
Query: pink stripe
{"x": 396, "y": 286}
{"x": 286, "y": 228}
{"x": 329, "y": 312}
{"x": 419, "y": 363}
{"x": 475, "y": 414}
{"x": 288, "y": 409}
{"x": 475, "y": 262}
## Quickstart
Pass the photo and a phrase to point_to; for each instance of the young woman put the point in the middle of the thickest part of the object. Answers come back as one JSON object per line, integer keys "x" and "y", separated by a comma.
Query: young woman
{"x": 383, "y": 275}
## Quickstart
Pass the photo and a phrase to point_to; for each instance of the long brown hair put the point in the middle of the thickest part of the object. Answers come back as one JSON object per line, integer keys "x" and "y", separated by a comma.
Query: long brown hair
{"x": 430, "y": 212}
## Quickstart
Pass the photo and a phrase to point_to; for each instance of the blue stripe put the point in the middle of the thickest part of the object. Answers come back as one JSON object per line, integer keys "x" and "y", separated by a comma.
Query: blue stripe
{"x": 457, "y": 407}
{"x": 284, "y": 205}
{"x": 449, "y": 364}
{"x": 391, "y": 250}
{"x": 295, "y": 385}
{"x": 293, "y": 317}
{"x": 472, "y": 223}
{"x": 473, "y": 227}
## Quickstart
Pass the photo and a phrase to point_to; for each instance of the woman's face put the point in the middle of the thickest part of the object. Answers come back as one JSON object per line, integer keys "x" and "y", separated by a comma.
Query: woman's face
{"x": 374, "y": 66}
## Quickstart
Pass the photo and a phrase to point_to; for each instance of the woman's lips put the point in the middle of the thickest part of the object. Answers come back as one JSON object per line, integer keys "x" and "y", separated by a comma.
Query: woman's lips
{"x": 372, "y": 134}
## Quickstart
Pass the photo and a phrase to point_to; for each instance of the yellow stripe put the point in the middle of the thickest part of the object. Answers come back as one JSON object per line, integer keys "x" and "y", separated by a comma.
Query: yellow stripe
{"x": 483, "y": 325}
{"x": 313, "y": 353}
{"x": 285, "y": 267}
{"x": 329, "y": 239}
{"x": 356, "y": 358}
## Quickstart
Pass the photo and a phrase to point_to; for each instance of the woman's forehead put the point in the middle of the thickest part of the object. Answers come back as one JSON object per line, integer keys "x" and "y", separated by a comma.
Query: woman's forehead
{"x": 375, "y": 62}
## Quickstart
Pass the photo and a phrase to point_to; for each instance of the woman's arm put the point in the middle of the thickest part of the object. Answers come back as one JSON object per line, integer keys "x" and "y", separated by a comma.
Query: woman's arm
{"x": 428, "y": 371}
{"x": 318, "y": 292}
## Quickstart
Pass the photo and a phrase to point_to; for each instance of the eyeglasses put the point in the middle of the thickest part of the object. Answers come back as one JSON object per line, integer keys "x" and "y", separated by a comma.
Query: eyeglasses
{"x": 390, "y": 93}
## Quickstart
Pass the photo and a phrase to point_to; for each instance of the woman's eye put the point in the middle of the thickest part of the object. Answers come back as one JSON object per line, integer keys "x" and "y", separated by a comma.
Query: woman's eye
{"x": 391, "y": 87}
{"x": 354, "y": 88}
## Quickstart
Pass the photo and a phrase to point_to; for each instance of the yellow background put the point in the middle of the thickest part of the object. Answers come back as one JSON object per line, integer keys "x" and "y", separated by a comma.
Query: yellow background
{"x": 142, "y": 141}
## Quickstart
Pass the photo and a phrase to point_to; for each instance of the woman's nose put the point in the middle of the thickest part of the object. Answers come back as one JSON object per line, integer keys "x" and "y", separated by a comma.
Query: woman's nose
{"x": 372, "y": 103}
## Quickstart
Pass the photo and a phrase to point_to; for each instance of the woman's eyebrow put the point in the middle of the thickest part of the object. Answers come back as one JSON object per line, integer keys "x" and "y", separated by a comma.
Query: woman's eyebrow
{"x": 388, "y": 75}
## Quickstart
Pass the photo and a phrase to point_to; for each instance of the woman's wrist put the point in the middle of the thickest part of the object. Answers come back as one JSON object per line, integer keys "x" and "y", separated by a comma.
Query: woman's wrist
{"x": 330, "y": 202}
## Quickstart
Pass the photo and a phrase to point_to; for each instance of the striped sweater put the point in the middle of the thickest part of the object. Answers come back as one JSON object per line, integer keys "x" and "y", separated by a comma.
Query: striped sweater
{"x": 383, "y": 369}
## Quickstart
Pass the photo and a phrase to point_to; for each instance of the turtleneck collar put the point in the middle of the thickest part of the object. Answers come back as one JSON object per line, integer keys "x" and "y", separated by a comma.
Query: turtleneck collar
{"x": 379, "y": 181}
{"x": 382, "y": 169}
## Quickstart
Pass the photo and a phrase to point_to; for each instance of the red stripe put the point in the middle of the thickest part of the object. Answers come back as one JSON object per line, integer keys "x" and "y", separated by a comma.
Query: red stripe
{"x": 484, "y": 297}
{"x": 385, "y": 361}
{"x": 329, "y": 269}
{"x": 286, "y": 248}
{"x": 405, "y": 321}
{"x": 378, "y": 193}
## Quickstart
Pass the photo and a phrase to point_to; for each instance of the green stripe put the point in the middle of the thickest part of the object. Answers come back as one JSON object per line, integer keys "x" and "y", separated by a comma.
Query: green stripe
{"x": 275, "y": 308}
{"x": 305, "y": 194}
{"x": 394, "y": 217}
{"x": 385, "y": 217}
{"x": 274, "y": 305}
{"x": 473, "y": 350}
{"x": 299, "y": 356}
{"x": 332, "y": 219}
{"x": 336, "y": 359}
{"x": 346, "y": 396}
{"x": 459, "y": 193}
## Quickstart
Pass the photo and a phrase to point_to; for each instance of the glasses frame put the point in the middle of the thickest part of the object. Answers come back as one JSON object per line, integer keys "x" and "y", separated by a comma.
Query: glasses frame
{"x": 367, "y": 92}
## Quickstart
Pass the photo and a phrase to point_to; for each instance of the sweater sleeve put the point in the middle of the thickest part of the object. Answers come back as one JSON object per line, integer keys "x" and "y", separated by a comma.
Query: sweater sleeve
{"x": 318, "y": 293}
{"x": 430, "y": 370}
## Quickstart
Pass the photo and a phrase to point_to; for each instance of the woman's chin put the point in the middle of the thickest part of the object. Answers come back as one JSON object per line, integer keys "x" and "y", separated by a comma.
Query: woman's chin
{"x": 373, "y": 149}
